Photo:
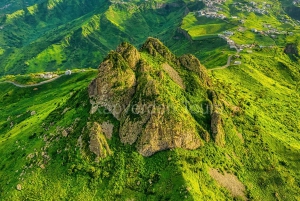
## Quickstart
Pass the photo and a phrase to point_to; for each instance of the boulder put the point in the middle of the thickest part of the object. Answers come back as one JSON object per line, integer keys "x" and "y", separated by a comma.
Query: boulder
{"x": 98, "y": 144}
{"x": 19, "y": 187}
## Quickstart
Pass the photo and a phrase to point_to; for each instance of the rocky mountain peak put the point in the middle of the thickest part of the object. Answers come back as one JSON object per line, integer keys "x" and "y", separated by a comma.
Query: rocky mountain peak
{"x": 129, "y": 53}
{"x": 190, "y": 62}
{"x": 114, "y": 86}
{"x": 147, "y": 94}
{"x": 155, "y": 47}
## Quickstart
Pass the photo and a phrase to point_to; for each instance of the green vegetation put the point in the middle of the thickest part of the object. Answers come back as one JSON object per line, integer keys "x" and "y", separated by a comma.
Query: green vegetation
{"x": 264, "y": 89}
{"x": 46, "y": 151}
{"x": 45, "y": 137}
{"x": 32, "y": 40}
{"x": 199, "y": 27}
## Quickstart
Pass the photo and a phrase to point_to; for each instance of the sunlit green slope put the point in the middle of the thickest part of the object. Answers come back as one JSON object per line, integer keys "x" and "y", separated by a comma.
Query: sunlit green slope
{"x": 45, "y": 151}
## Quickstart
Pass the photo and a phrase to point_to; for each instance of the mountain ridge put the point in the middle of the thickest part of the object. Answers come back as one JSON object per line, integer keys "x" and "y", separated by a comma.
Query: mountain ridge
{"x": 135, "y": 98}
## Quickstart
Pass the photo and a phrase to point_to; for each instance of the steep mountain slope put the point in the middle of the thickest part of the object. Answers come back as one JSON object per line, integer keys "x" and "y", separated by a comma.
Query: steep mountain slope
{"x": 172, "y": 93}
{"x": 147, "y": 95}
{"x": 9, "y": 6}
{"x": 47, "y": 35}
{"x": 79, "y": 144}
{"x": 152, "y": 124}
{"x": 79, "y": 33}
{"x": 42, "y": 32}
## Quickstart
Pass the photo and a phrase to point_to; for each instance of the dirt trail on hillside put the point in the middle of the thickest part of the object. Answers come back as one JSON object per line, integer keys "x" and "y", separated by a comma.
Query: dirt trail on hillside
{"x": 31, "y": 85}
{"x": 228, "y": 62}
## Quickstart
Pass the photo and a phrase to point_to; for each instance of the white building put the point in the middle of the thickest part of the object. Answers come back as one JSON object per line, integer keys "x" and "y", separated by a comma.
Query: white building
{"x": 68, "y": 72}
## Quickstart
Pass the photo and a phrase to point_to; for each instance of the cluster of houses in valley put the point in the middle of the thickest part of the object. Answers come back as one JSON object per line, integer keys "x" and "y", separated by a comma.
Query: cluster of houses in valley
{"x": 211, "y": 9}
{"x": 210, "y": 14}
{"x": 50, "y": 75}
{"x": 253, "y": 7}
{"x": 272, "y": 32}
{"x": 226, "y": 36}
{"x": 286, "y": 20}
{"x": 212, "y": 3}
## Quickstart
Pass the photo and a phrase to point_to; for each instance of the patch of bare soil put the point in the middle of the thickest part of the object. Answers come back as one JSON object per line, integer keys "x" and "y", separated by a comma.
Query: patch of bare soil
{"x": 230, "y": 182}
{"x": 173, "y": 74}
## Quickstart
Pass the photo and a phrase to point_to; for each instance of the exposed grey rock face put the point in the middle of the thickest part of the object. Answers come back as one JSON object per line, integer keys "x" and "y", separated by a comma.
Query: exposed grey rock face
{"x": 192, "y": 63}
{"x": 98, "y": 144}
{"x": 161, "y": 133}
{"x": 129, "y": 53}
{"x": 107, "y": 129}
{"x": 142, "y": 94}
{"x": 217, "y": 128}
{"x": 216, "y": 121}
{"x": 114, "y": 86}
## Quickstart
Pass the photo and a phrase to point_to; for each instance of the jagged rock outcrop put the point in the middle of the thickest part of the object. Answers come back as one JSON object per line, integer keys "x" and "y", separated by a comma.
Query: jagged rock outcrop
{"x": 153, "y": 125}
{"x": 291, "y": 49}
{"x": 107, "y": 129}
{"x": 129, "y": 53}
{"x": 114, "y": 86}
{"x": 217, "y": 128}
{"x": 216, "y": 120}
{"x": 97, "y": 144}
{"x": 154, "y": 115}
{"x": 154, "y": 47}
{"x": 161, "y": 133}
{"x": 192, "y": 63}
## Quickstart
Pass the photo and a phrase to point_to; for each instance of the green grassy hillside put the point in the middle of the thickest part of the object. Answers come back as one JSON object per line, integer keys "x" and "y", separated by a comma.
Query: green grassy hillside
{"x": 246, "y": 138}
{"x": 9, "y": 6}
{"x": 264, "y": 24}
{"x": 51, "y": 35}
{"x": 41, "y": 38}
{"x": 45, "y": 153}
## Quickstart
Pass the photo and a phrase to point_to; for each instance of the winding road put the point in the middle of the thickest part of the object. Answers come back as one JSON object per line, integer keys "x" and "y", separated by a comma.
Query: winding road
{"x": 225, "y": 66}
{"x": 228, "y": 61}
{"x": 32, "y": 85}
